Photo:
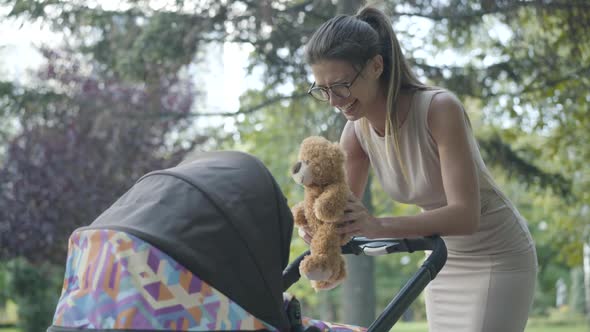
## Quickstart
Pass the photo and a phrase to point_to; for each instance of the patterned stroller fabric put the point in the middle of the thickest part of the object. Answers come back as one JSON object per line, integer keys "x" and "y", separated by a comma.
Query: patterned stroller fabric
{"x": 322, "y": 326}
{"x": 137, "y": 286}
{"x": 331, "y": 327}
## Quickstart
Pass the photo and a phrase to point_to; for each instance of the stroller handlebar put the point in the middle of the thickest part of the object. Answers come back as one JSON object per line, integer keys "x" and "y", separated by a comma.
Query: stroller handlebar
{"x": 377, "y": 247}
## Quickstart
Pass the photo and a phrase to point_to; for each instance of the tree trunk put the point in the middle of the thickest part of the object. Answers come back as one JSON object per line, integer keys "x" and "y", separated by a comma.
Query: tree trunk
{"x": 577, "y": 296}
{"x": 587, "y": 278}
{"x": 358, "y": 296}
{"x": 586, "y": 261}
{"x": 326, "y": 306}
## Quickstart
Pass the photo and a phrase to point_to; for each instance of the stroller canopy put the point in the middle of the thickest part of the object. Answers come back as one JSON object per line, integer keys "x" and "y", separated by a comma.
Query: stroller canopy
{"x": 222, "y": 216}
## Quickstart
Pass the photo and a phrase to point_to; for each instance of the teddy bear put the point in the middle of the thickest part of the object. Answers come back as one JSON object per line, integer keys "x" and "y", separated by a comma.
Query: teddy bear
{"x": 320, "y": 169}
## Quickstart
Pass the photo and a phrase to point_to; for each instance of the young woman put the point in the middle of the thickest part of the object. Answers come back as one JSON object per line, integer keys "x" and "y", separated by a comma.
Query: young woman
{"x": 419, "y": 142}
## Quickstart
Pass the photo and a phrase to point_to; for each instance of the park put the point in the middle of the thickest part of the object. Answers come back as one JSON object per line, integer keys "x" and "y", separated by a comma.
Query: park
{"x": 94, "y": 95}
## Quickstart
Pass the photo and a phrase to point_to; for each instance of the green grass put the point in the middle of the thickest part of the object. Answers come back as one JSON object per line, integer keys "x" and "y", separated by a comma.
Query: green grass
{"x": 423, "y": 327}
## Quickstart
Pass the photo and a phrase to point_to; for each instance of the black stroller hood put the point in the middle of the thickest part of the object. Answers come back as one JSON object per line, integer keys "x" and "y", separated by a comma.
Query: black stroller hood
{"x": 221, "y": 215}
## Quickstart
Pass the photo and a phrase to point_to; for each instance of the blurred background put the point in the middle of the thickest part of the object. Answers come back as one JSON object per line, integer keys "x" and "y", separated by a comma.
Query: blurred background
{"x": 93, "y": 94}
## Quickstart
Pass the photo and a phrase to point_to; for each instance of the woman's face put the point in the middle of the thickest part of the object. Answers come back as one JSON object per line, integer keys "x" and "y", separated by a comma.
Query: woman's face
{"x": 364, "y": 91}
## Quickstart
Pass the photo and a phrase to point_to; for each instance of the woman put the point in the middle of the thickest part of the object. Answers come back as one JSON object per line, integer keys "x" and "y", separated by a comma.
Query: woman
{"x": 419, "y": 143}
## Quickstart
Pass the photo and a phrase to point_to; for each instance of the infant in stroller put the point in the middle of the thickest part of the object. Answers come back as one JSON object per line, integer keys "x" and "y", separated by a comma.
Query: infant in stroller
{"x": 200, "y": 246}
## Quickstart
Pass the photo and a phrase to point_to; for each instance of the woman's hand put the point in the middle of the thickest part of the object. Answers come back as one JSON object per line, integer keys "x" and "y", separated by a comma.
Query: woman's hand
{"x": 357, "y": 221}
{"x": 304, "y": 233}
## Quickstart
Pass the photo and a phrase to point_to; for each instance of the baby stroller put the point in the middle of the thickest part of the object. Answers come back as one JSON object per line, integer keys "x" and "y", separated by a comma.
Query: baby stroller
{"x": 203, "y": 246}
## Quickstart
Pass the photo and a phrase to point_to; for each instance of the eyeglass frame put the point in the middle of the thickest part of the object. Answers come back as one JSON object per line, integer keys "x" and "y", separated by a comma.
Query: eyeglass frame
{"x": 328, "y": 90}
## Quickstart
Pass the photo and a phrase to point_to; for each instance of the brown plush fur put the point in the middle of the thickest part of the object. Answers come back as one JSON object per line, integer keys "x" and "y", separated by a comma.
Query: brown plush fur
{"x": 321, "y": 170}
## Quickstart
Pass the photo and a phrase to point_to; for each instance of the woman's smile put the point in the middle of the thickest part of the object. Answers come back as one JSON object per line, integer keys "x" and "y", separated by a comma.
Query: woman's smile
{"x": 348, "y": 109}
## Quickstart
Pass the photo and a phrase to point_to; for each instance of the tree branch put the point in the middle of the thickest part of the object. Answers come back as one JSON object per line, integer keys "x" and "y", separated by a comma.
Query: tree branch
{"x": 500, "y": 154}
{"x": 247, "y": 110}
{"x": 452, "y": 13}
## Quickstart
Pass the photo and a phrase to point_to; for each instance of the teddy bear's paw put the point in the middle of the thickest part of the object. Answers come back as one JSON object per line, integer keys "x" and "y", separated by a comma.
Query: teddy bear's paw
{"x": 314, "y": 267}
{"x": 323, "y": 285}
{"x": 340, "y": 272}
{"x": 327, "y": 213}
{"x": 318, "y": 275}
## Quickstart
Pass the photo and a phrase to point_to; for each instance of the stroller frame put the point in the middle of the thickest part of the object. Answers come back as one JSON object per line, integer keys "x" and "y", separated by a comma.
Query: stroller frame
{"x": 376, "y": 247}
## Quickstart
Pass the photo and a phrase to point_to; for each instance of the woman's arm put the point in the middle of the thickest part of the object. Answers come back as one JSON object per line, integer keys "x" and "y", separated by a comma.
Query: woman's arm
{"x": 357, "y": 161}
{"x": 461, "y": 214}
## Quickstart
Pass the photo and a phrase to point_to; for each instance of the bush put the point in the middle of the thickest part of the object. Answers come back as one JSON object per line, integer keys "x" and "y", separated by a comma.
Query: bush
{"x": 35, "y": 289}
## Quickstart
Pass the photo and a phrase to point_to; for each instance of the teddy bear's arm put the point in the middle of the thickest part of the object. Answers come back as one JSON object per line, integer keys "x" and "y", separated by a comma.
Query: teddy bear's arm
{"x": 298, "y": 212}
{"x": 329, "y": 206}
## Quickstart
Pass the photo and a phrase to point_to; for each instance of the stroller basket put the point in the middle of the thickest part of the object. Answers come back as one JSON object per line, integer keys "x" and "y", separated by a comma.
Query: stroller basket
{"x": 413, "y": 287}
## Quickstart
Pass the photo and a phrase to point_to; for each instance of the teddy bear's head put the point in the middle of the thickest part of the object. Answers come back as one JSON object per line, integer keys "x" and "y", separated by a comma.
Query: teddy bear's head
{"x": 320, "y": 163}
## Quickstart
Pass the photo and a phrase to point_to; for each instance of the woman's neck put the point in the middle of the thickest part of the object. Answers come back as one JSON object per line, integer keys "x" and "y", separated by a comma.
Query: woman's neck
{"x": 378, "y": 117}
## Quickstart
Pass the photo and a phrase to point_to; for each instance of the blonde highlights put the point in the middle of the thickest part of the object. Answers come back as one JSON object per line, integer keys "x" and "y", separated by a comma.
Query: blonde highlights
{"x": 396, "y": 76}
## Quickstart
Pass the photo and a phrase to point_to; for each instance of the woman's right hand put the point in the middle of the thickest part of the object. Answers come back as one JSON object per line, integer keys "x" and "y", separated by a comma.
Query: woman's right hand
{"x": 304, "y": 233}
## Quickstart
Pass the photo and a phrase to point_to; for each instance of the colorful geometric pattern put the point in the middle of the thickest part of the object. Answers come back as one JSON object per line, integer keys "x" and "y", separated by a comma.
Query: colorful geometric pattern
{"x": 321, "y": 325}
{"x": 114, "y": 280}
{"x": 330, "y": 327}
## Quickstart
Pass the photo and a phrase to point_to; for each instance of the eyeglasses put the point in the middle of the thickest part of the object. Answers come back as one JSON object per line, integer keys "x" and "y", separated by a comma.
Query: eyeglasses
{"x": 341, "y": 90}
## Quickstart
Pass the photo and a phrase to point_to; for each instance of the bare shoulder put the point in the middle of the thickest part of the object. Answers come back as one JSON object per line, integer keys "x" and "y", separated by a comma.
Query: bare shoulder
{"x": 445, "y": 113}
{"x": 446, "y": 118}
{"x": 444, "y": 102}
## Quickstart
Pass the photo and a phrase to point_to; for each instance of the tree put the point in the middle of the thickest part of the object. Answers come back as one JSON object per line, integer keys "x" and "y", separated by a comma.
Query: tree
{"x": 84, "y": 139}
{"x": 135, "y": 40}
{"x": 531, "y": 82}
{"x": 577, "y": 301}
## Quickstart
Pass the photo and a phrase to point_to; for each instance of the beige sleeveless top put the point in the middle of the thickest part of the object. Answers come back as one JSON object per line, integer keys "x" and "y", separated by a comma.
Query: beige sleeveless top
{"x": 502, "y": 229}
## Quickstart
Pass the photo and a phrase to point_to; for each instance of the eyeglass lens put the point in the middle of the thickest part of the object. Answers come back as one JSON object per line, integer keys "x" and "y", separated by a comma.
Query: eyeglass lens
{"x": 341, "y": 91}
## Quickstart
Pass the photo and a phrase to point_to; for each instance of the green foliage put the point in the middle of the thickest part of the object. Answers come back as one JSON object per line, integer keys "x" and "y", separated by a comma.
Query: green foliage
{"x": 35, "y": 289}
{"x": 146, "y": 52}
{"x": 3, "y": 285}
{"x": 274, "y": 133}
{"x": 82, "y": 140}
{"x": 497, "y": 152}
{"x": 557, "y": 250}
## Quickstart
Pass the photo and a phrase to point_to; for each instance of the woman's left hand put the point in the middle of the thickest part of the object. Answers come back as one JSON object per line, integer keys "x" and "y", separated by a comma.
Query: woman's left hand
{"x": 357, "y": 221}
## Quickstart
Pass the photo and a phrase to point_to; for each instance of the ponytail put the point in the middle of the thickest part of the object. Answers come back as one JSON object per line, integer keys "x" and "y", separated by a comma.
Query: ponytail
{"x": 396, "y": 76}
